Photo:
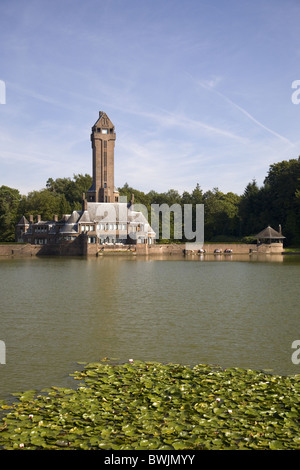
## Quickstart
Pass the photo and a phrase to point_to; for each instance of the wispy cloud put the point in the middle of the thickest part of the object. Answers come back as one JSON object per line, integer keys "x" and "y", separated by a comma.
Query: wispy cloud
{"x": 145, "y": 69}
{"x": 211, "y": 86}
{"x": 179, "y": 120}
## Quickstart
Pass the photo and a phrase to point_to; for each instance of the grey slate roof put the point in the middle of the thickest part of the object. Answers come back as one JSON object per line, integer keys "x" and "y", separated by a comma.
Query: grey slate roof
{"x": 23, "y": 221}
{"x": 74, "y": 217}
{"x": 69, "y": 228}
{"x": 85, "y": 217}
{"x": 107, "y": 211}
{"x": 104, "y": 212}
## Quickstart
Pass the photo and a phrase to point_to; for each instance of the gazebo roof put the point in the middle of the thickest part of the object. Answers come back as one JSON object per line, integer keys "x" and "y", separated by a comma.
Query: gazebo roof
{"x": 269, "y": 233}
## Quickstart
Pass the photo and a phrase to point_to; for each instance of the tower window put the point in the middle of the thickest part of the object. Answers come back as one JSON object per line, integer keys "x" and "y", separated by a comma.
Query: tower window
{"x": 104, "y": 131}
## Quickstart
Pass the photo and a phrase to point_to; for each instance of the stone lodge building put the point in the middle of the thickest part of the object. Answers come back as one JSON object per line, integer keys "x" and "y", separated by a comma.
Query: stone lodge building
{"x": 105, "y": 221}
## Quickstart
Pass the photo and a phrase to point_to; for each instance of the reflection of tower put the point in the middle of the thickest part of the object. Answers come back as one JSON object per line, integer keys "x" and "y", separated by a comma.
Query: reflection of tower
{"x": 103, "y": 142}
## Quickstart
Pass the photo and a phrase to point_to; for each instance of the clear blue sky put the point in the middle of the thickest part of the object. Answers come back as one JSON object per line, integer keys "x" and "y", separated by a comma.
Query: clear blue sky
{"x": 199, "y": 91}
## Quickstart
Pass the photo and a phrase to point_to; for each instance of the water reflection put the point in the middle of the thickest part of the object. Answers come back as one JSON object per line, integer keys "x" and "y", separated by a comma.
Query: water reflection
{"x": 262, "y": 257}
{"x": 55, "y": 312}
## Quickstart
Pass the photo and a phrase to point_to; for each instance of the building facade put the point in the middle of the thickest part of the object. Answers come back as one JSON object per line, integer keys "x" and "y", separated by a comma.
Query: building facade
{"x": 104, "y": 221}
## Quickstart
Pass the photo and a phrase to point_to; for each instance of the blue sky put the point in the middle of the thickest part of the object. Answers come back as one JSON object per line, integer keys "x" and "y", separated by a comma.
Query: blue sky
{"x": 199, "y": 91}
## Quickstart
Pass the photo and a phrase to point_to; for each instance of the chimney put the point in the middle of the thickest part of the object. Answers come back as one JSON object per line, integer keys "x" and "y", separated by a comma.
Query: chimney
{"x": 55, "y": 218}
{"x": 279, "y": 229}
{"x": 31, "y": 219}
{"x": 38, "y": 218}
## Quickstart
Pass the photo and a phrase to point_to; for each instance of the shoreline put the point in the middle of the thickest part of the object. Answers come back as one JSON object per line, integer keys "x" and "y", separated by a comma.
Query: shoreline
{"x": 27, "y": 250}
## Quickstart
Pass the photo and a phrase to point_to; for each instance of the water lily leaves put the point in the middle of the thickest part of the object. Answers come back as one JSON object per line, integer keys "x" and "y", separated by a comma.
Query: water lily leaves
{"x": 276, "y": 445}
{"x": 148, "y": 405}
{"x": 181, "y": 445}
{"x": 28, "y": 395}
{"x": 150, "y": 443}
{"x": 129, "y": 430}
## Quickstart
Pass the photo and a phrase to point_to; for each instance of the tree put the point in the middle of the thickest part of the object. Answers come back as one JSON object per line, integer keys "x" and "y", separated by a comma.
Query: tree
{"x": 283, "y": 184}
{"x": 186, "y": 198}
{"x": 139, "y": 196}
{"x": 197, "y": 195}
{"x": 45, "y": 203}
{"x": 80, "y": 184}
{"x": 249, "y": 209}
{"x": 9, "y": 204}
{"x": 275, "y": 203}
{"x": 221, "y": 214}
{"x": 71, "y": 189}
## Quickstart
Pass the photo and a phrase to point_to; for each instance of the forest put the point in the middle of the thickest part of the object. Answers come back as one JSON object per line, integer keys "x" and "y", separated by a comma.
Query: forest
{"x": 228, "y": 217}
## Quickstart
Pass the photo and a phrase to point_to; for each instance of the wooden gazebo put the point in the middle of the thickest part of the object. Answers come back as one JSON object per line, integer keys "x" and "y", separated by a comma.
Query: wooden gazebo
{"x": 270, "y": 240}
{"x": 269, "y": 235}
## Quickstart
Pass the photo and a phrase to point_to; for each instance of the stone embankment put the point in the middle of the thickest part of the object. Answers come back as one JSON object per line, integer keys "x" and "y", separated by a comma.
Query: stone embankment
{"x": 18, "y": 249}
{"x": 237, "y": 248}
{"x": 74, "y": 249}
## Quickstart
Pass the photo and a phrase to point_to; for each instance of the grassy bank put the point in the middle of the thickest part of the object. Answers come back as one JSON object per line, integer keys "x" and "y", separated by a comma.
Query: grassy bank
{"x": 156, "y": 406}
{"x": 292, "y": 249}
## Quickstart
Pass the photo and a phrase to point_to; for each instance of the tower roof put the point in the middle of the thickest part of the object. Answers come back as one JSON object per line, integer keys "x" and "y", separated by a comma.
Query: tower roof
{"x": 103, "y": 121}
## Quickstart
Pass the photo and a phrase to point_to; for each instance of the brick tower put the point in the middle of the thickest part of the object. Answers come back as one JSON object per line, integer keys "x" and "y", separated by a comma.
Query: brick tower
{"x": 103, "y": 143}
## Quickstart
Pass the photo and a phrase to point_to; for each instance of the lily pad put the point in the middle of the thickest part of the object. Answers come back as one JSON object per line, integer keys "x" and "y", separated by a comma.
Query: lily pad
{"x": 157, "y": 406}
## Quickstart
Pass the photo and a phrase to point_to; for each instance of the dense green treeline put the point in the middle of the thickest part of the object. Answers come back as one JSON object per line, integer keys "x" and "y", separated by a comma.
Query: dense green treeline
{"x": 227, "y": 216}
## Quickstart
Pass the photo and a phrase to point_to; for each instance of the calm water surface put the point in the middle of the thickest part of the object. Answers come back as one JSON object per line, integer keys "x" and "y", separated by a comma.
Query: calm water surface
{"x": 232, "y": 312}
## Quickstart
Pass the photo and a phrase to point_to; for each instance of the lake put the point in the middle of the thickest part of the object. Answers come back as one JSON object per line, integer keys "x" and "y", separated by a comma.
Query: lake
{"x": 226, "y": 310}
